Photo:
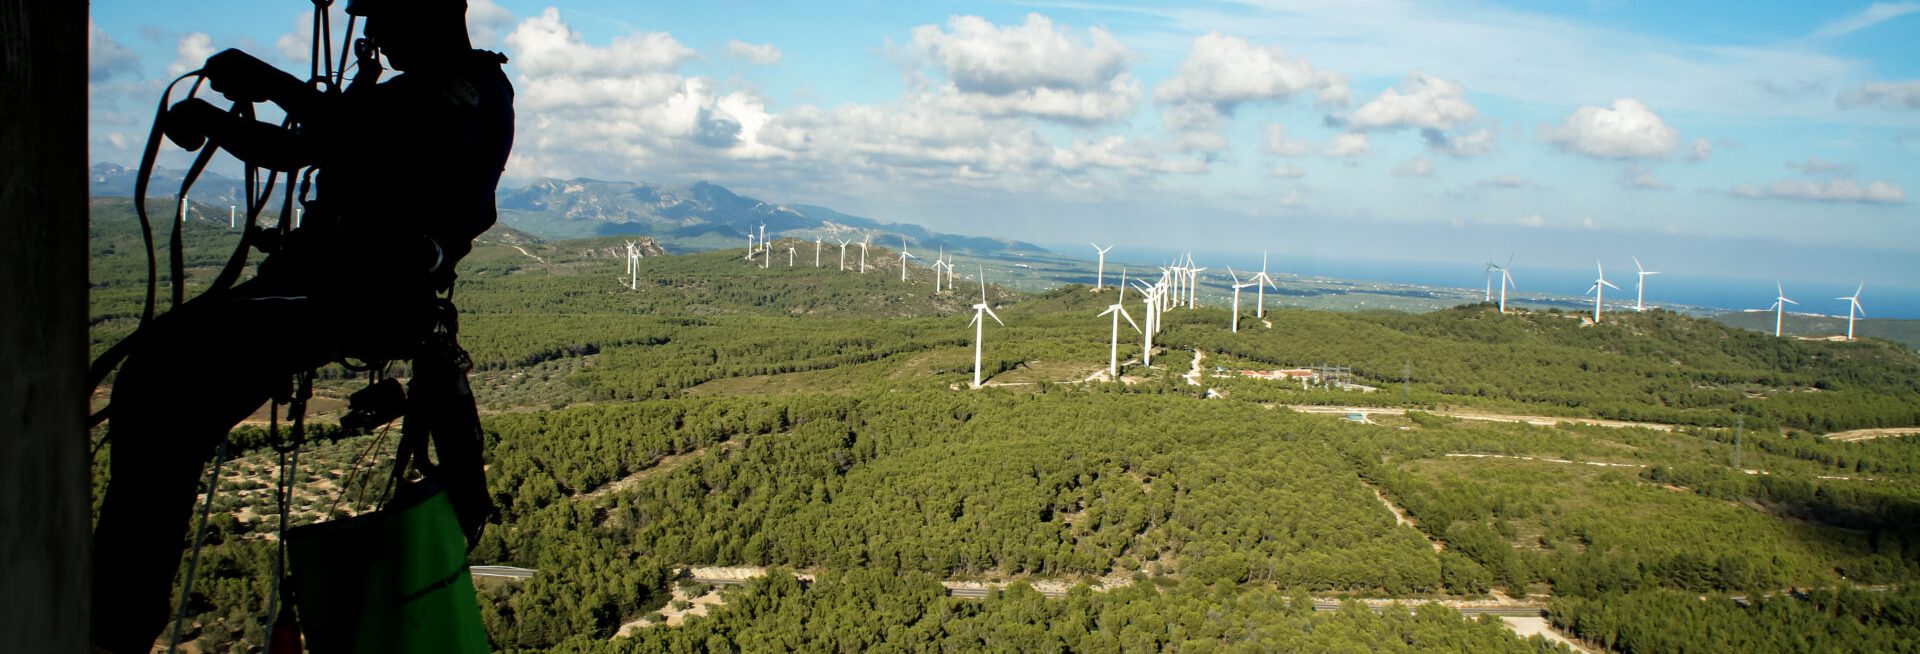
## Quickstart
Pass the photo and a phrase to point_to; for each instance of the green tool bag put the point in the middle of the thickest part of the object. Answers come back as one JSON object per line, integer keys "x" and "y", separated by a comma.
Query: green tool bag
{"x": 394, "y": 580}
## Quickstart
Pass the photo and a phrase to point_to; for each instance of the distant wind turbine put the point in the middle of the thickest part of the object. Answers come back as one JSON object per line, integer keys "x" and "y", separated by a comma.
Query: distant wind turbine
{"x": 1151, "y": 294}
{"x": 939, "y": 263}
{"x": 1853, "y": 305}
{"x": 1780, "y": 307}
{"x": 904, "y": 256}
{"x": 863, "y": 253}
{"x": 1119, "y": 310}
{"x": 1193, "y": 283}
{"x": 766, "y": 260}
{"x": 980, "y": 325}
{"x": 843, "y": 253}
{"x": 1640, "y": 289}
{"x": 816, "y": 252}
{"x": 789, "y": 255}
{"x": 1260, "y": 283}
{"x": 1506, "y": 277}
{"x": 1236, "y": 296}
{"x": 1598, "y": 290}
{"x": 750, "y": 250}
{"x": 1100, "y": 273}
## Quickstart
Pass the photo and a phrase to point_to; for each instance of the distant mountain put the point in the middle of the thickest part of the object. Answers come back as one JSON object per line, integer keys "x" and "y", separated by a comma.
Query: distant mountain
{"x": 114, "y": 180}
{"x": 703, "y": 216}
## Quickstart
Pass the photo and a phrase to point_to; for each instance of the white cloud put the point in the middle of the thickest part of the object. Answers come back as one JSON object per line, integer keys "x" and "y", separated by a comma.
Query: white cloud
{"x": 1288, "y": 171}
{"x": 1699, "y": 150}
{"x": 485, "y": 22}
{"x": 545, "y": 45}
{"x": 191, "y": 53}
{"x": 1874, "y": 14}
{"x": 1226, "y": 71}
{"x": 1627, "y": 131}
{"x": 1415, "y": 167}
{"x": 1279, "y": 144}
{"x": 1421, "y": 100}
{"x": 1462, "y": 145}
{"x": 106, "y": 57}
{"x": 1504, "y": 181}
{"x": 1889, "y": 95}
{"x": 1830, "y": 190}
{"x": 1350, "y": 144}
{"x": 1635, "y": 177}
{"x": 1531, "y": 220}
{"x": 763, "y": 54}
{"x": 1818, "y": 166}
{"x": 1031, "y": 69}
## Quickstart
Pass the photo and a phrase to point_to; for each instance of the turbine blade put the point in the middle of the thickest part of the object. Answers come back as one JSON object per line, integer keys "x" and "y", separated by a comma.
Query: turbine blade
{"x": 995, "y": 316}
{"x": 1123, "y": 314}
{"x": 1609, "y": 284}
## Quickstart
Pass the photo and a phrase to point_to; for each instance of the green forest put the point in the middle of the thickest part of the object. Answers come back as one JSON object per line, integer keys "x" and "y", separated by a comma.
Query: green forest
{"x": 818, "y": 424}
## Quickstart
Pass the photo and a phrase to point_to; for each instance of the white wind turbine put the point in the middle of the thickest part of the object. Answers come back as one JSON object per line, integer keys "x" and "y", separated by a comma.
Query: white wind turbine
{"x": 863, "y": 253}
{"x": 843, "y": 253}
{"x": 750, "y": 250}
{"x": 1100, "y": 272}
{"x": 789, "y": 255}
{"x": 1853, "y": 305}
{"x": 1236, "y": 296}
{"x": 763, "y": 236}
{"x": 1780, "y": 307}
{"x": 1506, "y": 277}
{"x": 816, "y": 252}
{"x": 980, "y": 325}
{"x": 1260, "y": 283}
{"x": 939, "y": 263}
{"x": 1598, "y": 290}
{"x": 1119, "y": 310}
{"x": 633, "y": 265}
{"x": 1491, "y": 266}
{"x": 1640, "y": 289}
{"x": 1193, "y": 282}
{"x": 904, "y": 256}
{"x": 1151, "y": 295}
{"x": 766, "y": 258}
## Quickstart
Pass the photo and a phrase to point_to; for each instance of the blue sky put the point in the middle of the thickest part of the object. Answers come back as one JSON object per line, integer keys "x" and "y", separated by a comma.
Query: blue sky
{"x": 1771, "y": 139}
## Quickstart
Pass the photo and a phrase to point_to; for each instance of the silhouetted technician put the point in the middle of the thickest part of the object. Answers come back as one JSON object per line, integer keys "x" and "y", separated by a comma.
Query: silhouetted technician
{"x": 407, "y": 172}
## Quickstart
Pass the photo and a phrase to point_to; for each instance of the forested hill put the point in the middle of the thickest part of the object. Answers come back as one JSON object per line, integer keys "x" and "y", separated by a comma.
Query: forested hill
{"x": 1904, "y": 332}
{"x": 771, "y": 413}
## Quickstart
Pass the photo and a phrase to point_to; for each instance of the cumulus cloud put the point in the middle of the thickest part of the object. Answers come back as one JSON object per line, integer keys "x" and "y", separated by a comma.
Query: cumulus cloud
{"x": 1415, "y": 167}
{"x": 106, "y": 57}
{"x": 1279, "y": 144}
{"x": 1829, "y": 190}
{"x": 763, "y": 54}
{"x": 1635, "y": 177}
{"x": 1818, "y": 166}
{"x": 546, "y": 46}
{"x": 1461, "y": 145}
{"x": 486, "y": 21}
{"x": 1887, "y": 95}
{"x": 190, "y": 53}
{"x": 1700, "y": 150}
{"x": 1629, "y": 130}
{"x": 1226, "y": 71}
{"x": 1421, "y": 100}
{"x": 1288, "y": 171}
{"x": 1350, "y": 144}
{"x": 1033, "y": 69}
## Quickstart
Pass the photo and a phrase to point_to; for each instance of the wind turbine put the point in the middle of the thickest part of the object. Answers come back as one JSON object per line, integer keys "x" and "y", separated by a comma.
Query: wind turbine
{"x": 980, "y": 326}
{"x": 1193, "y": 282}
{"x": 766, "y": 258}
{"x": 843, "y": 253}
{"x": 789, "y": 255}
{"x": 750, "y": 250}
{"x": 1780, "y": 307}
{"x": 1597, "y": 291}
{"x": 1853, "y": 305}
{"x": 763, "y": 236}
{"x": 1260, "y": 283}
{"x": 1151, "y": 295}
{"x": 1119, "y": 310}
{"x": 863, "y": 253}
{"x": 939, "y": 263}
{"x": 1236, "y": 297}
{"x": 233, "y": 216}
{"x": 1640, "y": 289}
{"x": 1100, "y": 273}
{"x": 1506, "y": 277}
{"x": 816, "y": 252}
{"x": 633, "y": 265}
{"x": 904, "y": 256}
{"x": 1491, "y": 266}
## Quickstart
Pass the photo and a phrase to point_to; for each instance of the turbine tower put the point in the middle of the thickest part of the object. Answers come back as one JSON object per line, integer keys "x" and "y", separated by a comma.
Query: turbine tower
{"x": 843, "y": 253}
{"x": 1151, "y": 294}
{"x": 1100, "y": 273}
{"x": 1597, "y": 290}
{"x": 1236, "y": 297}
{"x": 1491, "y": 266}
{"x": 1640, "y": 289}
{"x": 979, "y": 325}
{"x": 863, "y": 253}
{"x": 904, "y": 256}
{"x": 633, "y": 265}
{"x": 1119, "y": 310}
{"x": 1506, "y": 277}
{"x": 939, "y": 263}
{"x": 1853, "y": 305}
{"x": 763, "y": 236}
{"x": 766, "y": 258}
{"x": 1780, "y": 307}
{"x": 750, "y": 250}
{"x": 1260, "y": 283}
{"x": 816, "y": 252}
{"x": 789, "y": 255}
{"x": 1193, "y": 283}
